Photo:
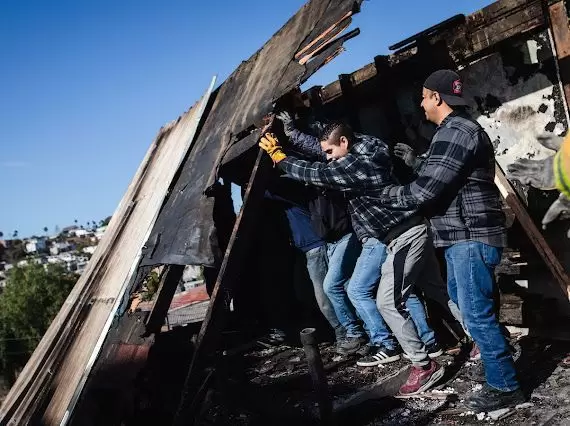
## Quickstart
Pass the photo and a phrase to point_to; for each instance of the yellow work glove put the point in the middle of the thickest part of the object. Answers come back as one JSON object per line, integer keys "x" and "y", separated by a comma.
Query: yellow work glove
{"x": 270, "y": 144}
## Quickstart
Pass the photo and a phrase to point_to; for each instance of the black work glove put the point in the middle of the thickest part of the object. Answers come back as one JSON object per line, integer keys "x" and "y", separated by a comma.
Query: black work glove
{"x": 287, "y": 120}
{"x": 406, "y": 154}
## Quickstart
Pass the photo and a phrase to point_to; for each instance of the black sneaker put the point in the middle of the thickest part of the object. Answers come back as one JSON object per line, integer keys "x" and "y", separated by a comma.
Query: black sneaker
{"x": 491, "y": 399}
{"x": 434, "y": 350}
{"x": 379, "y": 355}
{"x": 350, "y": 345}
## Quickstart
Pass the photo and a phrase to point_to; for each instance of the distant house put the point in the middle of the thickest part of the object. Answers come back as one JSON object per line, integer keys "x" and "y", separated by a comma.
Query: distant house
{"x": 35, "y": 245}
{"x": 79, "y": 232}
{"x": 66, "y": 257}
{"x": 80, "y": 267}
{"x": 59, "y": 247}
{"x": 100, "y": 231}
{"x": 68, "y": 229}
{"x": 22, "y": 263}
{"x": 53, "y": 259}
{"x": 89, "y": 249}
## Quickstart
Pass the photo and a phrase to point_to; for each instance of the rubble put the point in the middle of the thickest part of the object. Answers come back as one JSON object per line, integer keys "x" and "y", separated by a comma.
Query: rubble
{"x": 365, "y": 396}
{"x": 499, "y": 414}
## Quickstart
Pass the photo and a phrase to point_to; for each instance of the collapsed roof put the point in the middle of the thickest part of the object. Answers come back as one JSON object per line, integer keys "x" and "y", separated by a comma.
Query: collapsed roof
{"x": 184, "y": 233}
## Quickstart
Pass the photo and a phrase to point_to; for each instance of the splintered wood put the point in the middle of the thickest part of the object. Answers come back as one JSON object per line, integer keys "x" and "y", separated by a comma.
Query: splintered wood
{"x": 54, "y": 375}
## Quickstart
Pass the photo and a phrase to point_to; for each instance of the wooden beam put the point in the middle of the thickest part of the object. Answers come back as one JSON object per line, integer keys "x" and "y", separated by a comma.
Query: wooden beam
{"x": 561, "y": 34}
{"x": 325, "y": 36}
{"x": 163, "y": 298}
{"x": 348, "y": 96}
{"x": 325, "y": 42}
{"x": 542, "y": 247}
{"x": 502, "y": 20}
{"x": 228, "y": 277}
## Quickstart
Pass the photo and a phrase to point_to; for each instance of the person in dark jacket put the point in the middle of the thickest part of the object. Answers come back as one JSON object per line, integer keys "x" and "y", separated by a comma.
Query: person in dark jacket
{"x": 333, "y": 263}
{"x": 360, "y": 165}
{"x": 361, "y": 291}
{"x": 312, "y": 245}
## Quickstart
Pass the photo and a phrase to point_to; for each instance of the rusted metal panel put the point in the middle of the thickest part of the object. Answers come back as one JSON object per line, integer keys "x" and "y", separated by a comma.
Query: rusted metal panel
{"x": 108, "y": 397}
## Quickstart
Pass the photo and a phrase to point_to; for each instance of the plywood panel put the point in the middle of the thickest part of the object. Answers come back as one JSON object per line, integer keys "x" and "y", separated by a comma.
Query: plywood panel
{"x": 61, "y": 362}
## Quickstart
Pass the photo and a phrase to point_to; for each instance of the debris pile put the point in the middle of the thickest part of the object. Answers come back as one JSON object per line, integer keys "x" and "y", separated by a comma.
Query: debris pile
{"x": 270, "y": 385}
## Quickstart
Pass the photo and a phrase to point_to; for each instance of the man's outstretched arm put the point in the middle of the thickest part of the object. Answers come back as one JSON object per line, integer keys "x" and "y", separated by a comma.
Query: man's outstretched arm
{"x": 304, "y": 143}
{"x": 350, "y": 173}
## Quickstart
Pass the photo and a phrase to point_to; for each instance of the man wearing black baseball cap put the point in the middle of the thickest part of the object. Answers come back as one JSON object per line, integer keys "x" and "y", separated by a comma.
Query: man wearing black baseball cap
{"x": 455, "y": 189}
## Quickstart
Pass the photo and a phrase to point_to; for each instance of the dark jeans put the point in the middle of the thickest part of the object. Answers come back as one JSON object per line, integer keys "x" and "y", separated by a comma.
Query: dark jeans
{"x": 471, "y": 285}
{"x": 317, "y": 266}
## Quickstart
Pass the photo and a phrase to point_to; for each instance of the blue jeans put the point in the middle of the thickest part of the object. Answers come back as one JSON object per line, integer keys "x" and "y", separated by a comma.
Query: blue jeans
{"x": 317, "y": 266}
{"x": 362, "y": 291}
{"x": 471, "y": 285}
{"x": 342, "y": 256}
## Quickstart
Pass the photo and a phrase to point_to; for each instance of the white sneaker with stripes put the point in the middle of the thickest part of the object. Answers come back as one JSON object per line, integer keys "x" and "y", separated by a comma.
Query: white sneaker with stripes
{"x": 379, "y": 355}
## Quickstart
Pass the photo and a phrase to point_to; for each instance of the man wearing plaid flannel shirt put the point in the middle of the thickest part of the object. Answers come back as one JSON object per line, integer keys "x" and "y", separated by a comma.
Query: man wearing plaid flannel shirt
{"x": 382, "y": 347}
{"x": 360, "y": 166}
{"x": 455, "y": 189}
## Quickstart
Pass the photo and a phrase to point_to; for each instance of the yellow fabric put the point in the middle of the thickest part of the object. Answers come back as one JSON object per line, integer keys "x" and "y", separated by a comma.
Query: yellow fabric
{"x": 562, "y": 167}
{"x": 270, "y": 144}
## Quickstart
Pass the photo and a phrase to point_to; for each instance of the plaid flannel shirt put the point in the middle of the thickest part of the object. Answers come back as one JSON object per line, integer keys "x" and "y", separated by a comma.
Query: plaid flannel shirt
{"x": 361, "y": 175}
{"x": 455, "y": 186}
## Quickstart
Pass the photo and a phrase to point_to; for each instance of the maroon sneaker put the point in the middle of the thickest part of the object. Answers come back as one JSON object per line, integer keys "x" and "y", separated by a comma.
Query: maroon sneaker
{"x": 422, "y": 378}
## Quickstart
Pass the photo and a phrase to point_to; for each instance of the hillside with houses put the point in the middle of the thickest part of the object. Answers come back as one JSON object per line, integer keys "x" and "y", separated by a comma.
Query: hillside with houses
{"x": 70, "y": 247}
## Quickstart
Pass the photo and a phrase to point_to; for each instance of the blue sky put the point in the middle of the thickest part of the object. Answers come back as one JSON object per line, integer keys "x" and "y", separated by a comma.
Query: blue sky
{"x": 85, "y": 86}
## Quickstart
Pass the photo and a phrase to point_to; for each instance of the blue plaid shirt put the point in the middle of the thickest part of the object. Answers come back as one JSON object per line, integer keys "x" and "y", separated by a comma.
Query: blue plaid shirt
{"x": 455, "y": 186}
{"x": 361, "y": 174}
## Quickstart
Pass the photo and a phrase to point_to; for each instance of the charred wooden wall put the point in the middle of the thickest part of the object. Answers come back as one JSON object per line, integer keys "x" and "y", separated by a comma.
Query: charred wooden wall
{"x": 514, "y": 84}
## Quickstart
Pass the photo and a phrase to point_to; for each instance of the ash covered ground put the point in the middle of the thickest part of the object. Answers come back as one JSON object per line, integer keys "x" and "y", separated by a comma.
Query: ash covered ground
{"x": 270, "y": 385}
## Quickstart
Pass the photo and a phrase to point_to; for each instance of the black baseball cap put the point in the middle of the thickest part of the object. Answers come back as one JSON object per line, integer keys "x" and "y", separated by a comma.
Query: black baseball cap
{"x": 449, "y": 86}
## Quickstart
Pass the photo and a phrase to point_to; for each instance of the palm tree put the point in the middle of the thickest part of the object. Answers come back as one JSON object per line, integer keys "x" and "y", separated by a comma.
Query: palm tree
{"x": 1, "y": 234}
{"x": 46, "y": 229}
{"x": 15, "y": 234}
